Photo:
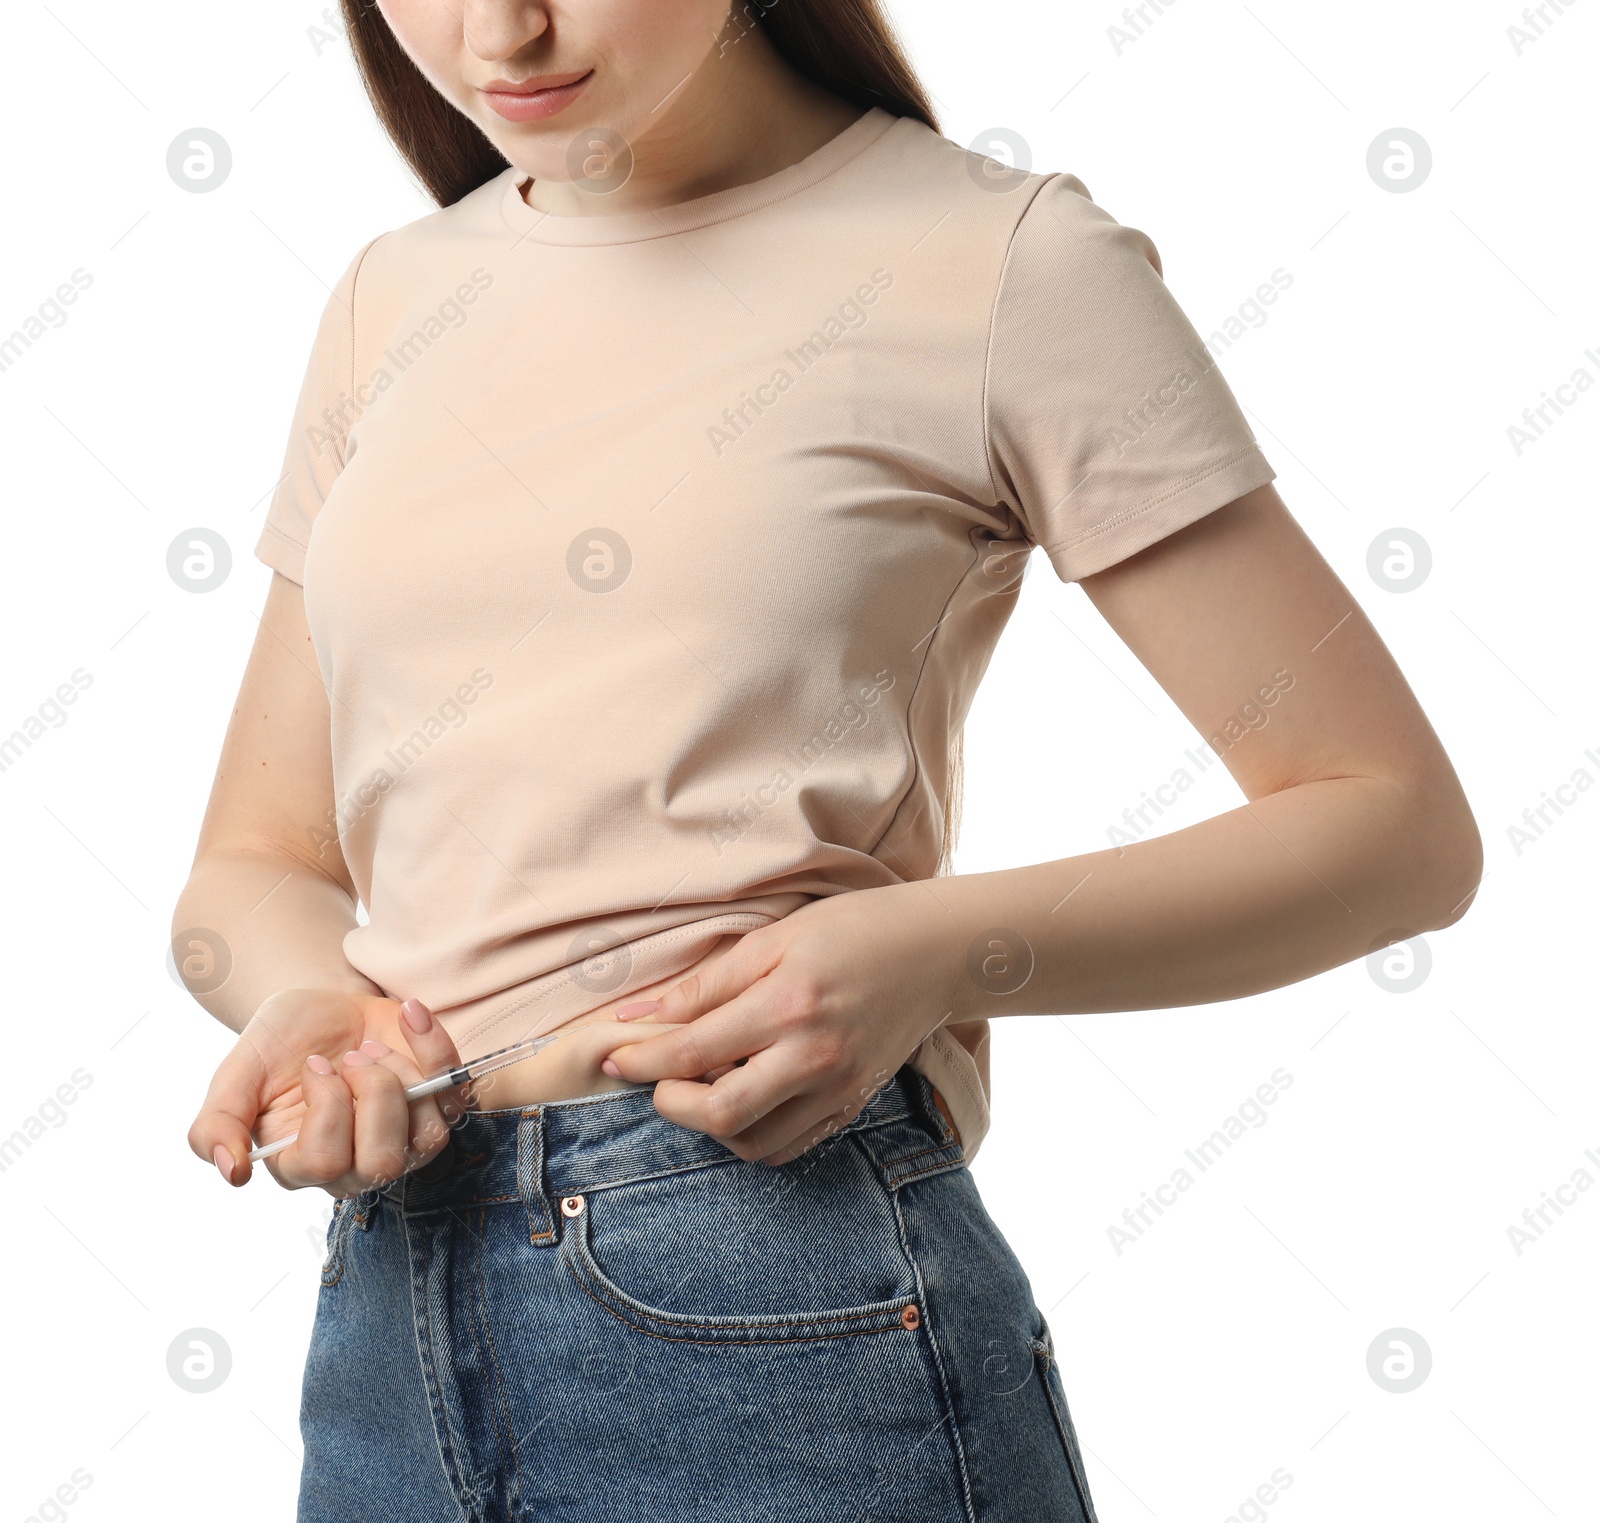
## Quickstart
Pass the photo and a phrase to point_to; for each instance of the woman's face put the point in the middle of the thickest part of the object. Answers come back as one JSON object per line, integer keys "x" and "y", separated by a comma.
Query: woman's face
{"x": 612, "y": 64}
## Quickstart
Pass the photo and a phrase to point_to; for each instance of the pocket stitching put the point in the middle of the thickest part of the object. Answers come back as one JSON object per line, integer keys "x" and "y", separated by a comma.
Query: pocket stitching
{"x": 339, "y": 1227}
{"x": 880, "y": 1316}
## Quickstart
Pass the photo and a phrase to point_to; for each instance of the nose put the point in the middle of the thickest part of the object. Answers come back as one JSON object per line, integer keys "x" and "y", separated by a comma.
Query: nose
{"x": 495, "y": 30}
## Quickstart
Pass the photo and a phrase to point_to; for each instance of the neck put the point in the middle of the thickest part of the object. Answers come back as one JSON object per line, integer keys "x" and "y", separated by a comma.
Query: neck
{"x": 741, "y": 115}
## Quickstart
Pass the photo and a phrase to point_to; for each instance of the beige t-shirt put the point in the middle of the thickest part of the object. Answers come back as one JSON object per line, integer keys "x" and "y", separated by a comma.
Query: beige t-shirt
{"x": 652, "y": 558}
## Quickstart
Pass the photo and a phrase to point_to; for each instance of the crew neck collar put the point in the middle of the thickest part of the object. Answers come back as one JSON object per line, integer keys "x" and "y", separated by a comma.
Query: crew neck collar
{"x": 635, "y": 226}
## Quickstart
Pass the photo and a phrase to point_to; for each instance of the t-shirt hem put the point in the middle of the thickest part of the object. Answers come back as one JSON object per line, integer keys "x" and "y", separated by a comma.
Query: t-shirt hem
{"x": 1181, "y": 504}
{"x": 954, "y": 1076}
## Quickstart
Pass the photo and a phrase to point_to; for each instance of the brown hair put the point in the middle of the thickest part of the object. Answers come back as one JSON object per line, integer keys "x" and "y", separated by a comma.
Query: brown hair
{"x": 848, "y": 47}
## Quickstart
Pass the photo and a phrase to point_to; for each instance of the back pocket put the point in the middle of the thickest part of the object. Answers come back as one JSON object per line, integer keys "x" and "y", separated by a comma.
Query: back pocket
{"x": 742, "y": 1252}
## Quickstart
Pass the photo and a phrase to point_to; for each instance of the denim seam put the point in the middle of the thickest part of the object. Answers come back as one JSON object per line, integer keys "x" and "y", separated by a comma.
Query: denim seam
{"x": 930, "y": 1323}
{"x": 529, "y": 1143}
{"x": 333, "y": 1268}
{"x": 452, "y": 1206}
{"x": 858, "y": 1124}
{"x": 1044, "y": 1356}
{"x": 423, "y": 1330}
{"x": 796, "y": 1319}
{"x": 939, "y": 1168}
{"x": 635, "y": 1179}
{"x": 893, "y": 1168}
{"x": 938, "y": 1147}
{"x": 861, "y": 1332}
{"x": 503, "y": 1424}
{"x": 586, "y": 1271}
{"x": 334, "y": 1227}
{"x": 854, "y": 1130}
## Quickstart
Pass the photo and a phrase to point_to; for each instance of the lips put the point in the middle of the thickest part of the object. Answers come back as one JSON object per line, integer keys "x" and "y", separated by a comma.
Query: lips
{"x": 535, "y": 84}
{"x": 536, "y": 98}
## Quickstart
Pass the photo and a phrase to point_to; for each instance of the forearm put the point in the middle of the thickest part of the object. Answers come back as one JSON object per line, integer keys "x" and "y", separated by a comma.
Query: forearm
{"x": 281, "y": 922}
{"x": 1275, "y": 891}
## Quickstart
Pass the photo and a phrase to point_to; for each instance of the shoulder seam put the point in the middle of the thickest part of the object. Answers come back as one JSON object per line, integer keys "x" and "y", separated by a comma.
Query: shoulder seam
{"x": 355, "y": 275}
{"x": 988, "y": 347}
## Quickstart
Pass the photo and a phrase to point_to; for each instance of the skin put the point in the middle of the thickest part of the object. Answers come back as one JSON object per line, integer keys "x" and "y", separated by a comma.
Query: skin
{"x": 1355, "y": 824}
{"x": 701, "y": 98}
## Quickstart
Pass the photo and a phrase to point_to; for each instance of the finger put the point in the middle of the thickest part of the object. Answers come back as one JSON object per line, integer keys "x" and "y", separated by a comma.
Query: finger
{"x": 735, "y": 1030}
{"x": 427, "y": 1127}
{"x": 221, "y": 1133}
{"x": 435, "y": 1052}
{"x": 738, "y": 1100}
{"x": 613, "y": 1036}
{"x": 792, "y": 1129}
{"x": 429, "y": 1042}
{"x": 719, "y": 982}
{"x": 324, "y": 1151}
{"x": 430, "y": 1129}
{"x": 798, "y": 1125}
{"x": 382, "y": 1133}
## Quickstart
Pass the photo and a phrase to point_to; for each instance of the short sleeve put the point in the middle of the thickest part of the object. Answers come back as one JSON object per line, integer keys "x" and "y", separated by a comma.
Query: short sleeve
{"x": 1108, "y": 423}
{"x": 323, "y": 413}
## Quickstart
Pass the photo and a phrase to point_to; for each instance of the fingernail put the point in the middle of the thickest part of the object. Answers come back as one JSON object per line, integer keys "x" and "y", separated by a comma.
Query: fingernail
{"x": 224, "y": 1162}
{"x": 638, "y": 1007}
{"x": 319, "y": 1064}
{"x": 357, "y": 1059}
{"x": 374, "y": 1048}
{"x": 611, "y": 1068}
{"x": 417, "y": 1016}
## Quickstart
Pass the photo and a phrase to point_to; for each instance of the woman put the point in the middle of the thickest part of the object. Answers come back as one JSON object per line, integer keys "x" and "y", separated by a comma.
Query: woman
{"x": 650, "y": 515}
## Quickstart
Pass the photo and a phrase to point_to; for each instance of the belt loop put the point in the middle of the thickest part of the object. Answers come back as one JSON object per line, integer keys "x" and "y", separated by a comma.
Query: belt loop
{"x": 924, "y": 1099}
{"x": 530, "y": 1175}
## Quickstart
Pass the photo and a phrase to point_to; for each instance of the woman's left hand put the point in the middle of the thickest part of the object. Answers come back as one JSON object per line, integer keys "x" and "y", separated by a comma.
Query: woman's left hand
{"x": 817, "y": 1011}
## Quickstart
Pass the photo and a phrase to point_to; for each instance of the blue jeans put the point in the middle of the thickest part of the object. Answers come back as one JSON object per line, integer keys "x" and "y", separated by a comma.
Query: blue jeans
{"x": 581, "y": 1312}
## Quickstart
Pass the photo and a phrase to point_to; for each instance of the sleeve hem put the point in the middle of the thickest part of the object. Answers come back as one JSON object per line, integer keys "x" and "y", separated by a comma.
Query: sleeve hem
{"x": 1139, "y": 527}
{"x": 276, "y": 549}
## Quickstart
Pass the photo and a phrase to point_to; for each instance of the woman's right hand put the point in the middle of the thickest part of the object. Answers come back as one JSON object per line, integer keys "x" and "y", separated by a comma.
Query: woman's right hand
{"x": 335, "y": 1067}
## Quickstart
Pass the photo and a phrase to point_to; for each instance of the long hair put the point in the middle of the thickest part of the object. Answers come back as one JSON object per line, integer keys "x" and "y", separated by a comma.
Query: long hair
{"x": 848, "y": 47}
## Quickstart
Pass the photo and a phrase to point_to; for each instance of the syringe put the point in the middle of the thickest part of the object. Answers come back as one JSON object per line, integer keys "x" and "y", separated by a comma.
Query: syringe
{"x": 475, "y": 1068}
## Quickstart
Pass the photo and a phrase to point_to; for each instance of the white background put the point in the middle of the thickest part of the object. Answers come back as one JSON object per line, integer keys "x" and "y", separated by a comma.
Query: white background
{"x": 1231, "y": 1339}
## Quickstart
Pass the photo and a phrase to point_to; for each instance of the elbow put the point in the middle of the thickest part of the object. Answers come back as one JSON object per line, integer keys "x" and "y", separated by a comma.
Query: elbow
{"x": 189, "y": 908}
{"x": 1446, "y": 853}
{"x": 180, "y": 920}
{"x": 1460, "y": 883}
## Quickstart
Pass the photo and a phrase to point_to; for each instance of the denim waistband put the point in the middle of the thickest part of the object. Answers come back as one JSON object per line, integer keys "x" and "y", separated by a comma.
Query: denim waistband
{"x": 541, "y": 1153}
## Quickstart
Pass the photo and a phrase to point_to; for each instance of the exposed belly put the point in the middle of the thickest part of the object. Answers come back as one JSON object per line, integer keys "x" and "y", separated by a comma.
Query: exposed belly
{"x": 570, "y": 1068}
